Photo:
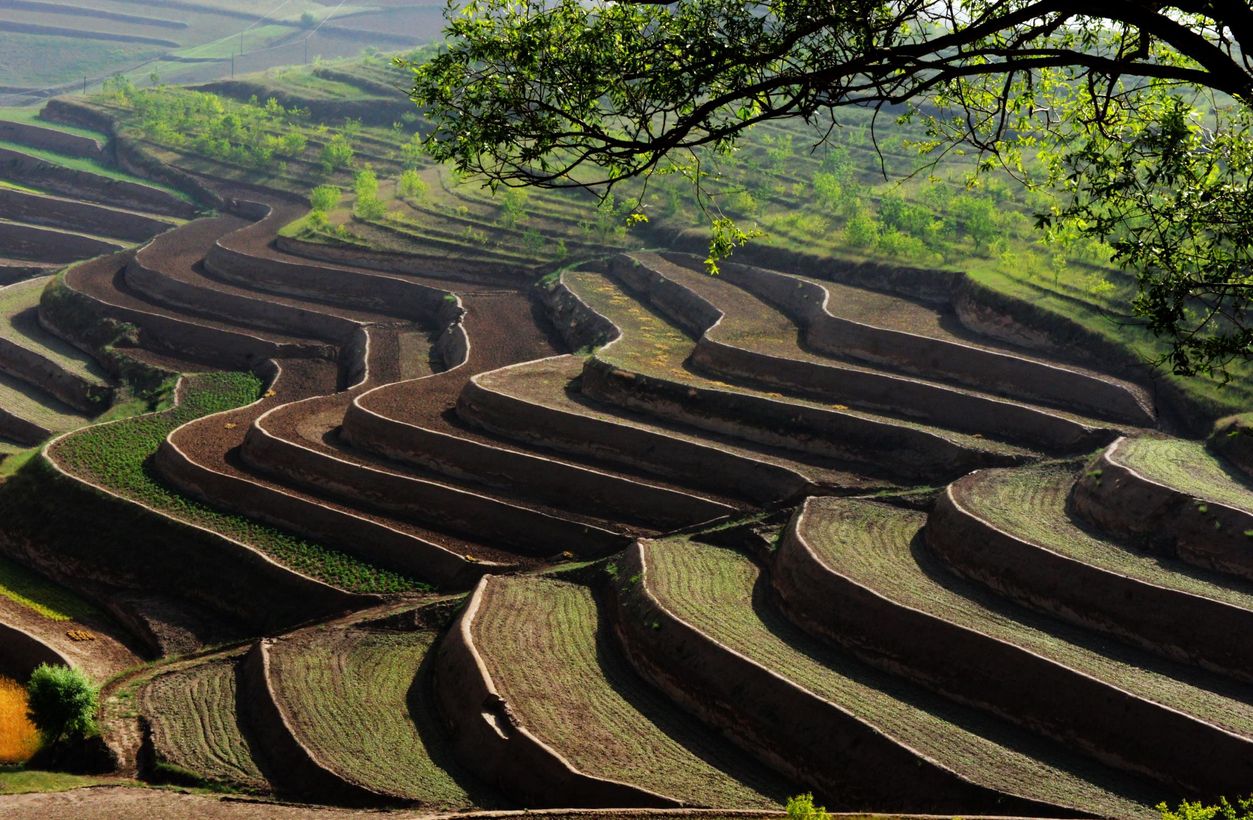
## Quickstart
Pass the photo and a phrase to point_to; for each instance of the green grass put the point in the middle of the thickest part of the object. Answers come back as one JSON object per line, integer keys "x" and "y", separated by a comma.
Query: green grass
{"x": 35, "y": 592}
{"x": 353, "y": 691}
{"x": 874, "y": 545}
{"x": 24, "y": 58}
{"x": 226, "y": 47}
{"x": 115, "y": 455}
{"x": 195, "y": 727}
{"x": 23, "y": 298}
{"x": 90, "y": 166}
{"x": 715, "y": 590}
{"x": 1188, "y": 466}
{"x": 1030, "y": 503}
{"x": 30, "y": 116}
{"x": 34, "y": 405}
{"x": 545, "y": 649}
{"x": 16, "y": 780}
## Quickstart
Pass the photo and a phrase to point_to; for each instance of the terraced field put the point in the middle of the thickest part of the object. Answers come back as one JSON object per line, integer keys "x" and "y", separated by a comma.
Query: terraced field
{"x": 191, "y": 712}
{"x": 549, "y": 656}
{"x": 1030, "y": 503}
{"x": 719, "y": 592}
{"x": 361, "y": 704}
{"x": 1188, "y": 466}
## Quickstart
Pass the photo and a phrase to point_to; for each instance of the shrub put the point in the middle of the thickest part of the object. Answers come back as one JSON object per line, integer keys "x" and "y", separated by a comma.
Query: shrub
{"x": 366, "y": 187}
{"x": 862, "y": 230}
{"x": 1241, "y": 810}
{"x": 411, "y": 184}
{"x": 63, "y": 703}
{"x": 336, "y": 154}
{"x": 801, "y": 807}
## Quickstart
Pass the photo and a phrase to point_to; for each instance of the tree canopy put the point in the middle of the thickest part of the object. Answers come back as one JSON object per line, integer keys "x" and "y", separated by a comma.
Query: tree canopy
{"x": 1138, "y": 113}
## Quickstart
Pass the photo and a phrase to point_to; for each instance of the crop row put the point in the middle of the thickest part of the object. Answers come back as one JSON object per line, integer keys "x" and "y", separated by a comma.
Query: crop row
{"x": 554, "y": 664}
{"x": 116, "y": 455}
{"x": 34, "y": 592}
{"x": 353, "y": 692}
{"x": 195, "y": 727}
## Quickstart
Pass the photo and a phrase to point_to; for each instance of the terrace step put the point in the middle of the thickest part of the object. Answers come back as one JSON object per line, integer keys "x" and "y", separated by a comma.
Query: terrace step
{"x": 350, "y": 689}
{"x": 1172, "y": 496}
{"x": 191, "y": 711}
{"x": 540, "y": 703}
{"x": 51, "y": 139}
{"x": 17, "y": 270}
{"x": 49, "y": 245}
{"x": 44, "y": 360}
{"x": 930, "y": 340}
{"x": 696, "y": 621}
{"x": 202, "y": 460}
{"x": 856, "y": 573}
{"x": 169, "y": 271}
{"x": 645, "y": 369}
{"x": 31, "y": 171}
{"x": 101, "y": 285}
{"x": 414, "y": 422}
{"x": 1011, "y": 531}
{"x": 28, "y": 415}
{"x": 539, "y": 403}
{"x": 743, "y": 338}
{"x": 75, "y": 216}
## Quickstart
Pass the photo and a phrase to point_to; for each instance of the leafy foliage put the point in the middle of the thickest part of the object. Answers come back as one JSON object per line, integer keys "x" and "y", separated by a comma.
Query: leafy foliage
{"x": 62, "y": 703}
{"x": 801, "y": 807}
{"x": 1242, "y": 809}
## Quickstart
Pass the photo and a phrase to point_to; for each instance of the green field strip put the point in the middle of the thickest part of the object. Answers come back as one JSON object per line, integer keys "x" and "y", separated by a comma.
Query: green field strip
{"x": 652, "y": 346}
{"x": 29, "y": 115}
{"x": 1030, "y": 503}
{"x": 18, "y": 324}
{"x": 91, "y": 167}
{"x": 353, "y": 691}
{"x": 195, "y": 725}
{"x": 550, "y": 657}
{"x": 228, "y": 46}
{"x": 1187, "y": 466}
{"x": 875, "y": 546}
{"x": 719, "y": 592}
{"x": 115, "y": 456}
{"x": 53, "y": 601}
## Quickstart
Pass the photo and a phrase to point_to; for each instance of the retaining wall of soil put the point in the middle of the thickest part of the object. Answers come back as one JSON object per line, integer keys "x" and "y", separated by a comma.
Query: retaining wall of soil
{"x": 296, "y": 769}
{"x": 793, "y": 731}
{"x": 354, "y": 534}
{"x": 117, "y": 542}
{"x": 12, "y": 271}
{"x": 1040, "y": 694}
{"x": 46, "y": 245}
{"x": 995, "y": 371}
{"x": 233, "y": 307}
{"x": 75, "y": 184}
{"x": 47, "y": 375}
{"x": 698, "y": 464}
{"x": 391, "y": 294}
{"x": 50, "y": 139}
{"x": 20, "y": 430}
{"x": 899, "y": 395}
{"x": 21, "y": 652}
{"x": 70, "y": 215}
{"x": 488, "y": 739}
{"x": 1233, "y": 440}
{"x": 1121, "y": 501}
{"x": 226, "y": 348}
{"x": 522, "y": 529}
{"x": 460, "y": 270}
{"x": 1175, "y": 624}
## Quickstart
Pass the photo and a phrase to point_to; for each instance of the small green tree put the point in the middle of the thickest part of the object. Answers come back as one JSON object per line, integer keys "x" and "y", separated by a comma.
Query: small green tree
{"x": 337, "y": 154}
{"x": 62, "y": 703}
{"x": 366, "y": 187}
{"x": 324, "y": 198}
{"x": 412, "y": 185}
{"x": 801, "y": 807}
{"x": 1242, "y": 809}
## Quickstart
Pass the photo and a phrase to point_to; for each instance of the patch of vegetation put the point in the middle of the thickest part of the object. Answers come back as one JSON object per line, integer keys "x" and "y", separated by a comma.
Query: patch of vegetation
{"x": 1188, "y": 466}
{"x": 33, "y": 591}
{"x": 115, "y": 456}
{"x": 16, "y": 780}
{"x": 24, "y": 58}
{"x": 19, "y": 739}
{"x": 63, "y": 703}
{"x": 90, "y": 166}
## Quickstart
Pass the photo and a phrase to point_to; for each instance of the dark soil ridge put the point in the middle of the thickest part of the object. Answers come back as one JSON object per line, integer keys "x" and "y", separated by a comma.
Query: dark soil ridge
{"x": 78, "y": 217}
{"x": 40, "y": 244}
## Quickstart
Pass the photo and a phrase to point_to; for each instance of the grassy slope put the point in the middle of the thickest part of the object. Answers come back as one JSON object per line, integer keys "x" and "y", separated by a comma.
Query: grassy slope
{"x": 714, "y": 590}
{"x": 545, "y": 649}
{"x": 1188, "y": 466}
{"x": 115, "y": 454}
{"x": 90, "y": 166}
{"x": 192, "y": 711}
{"x": 353, "y": 692}
{"x": 1030, "y": 503}
{"x": 36, "y": 593}
{"x": 24, "y": 296}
